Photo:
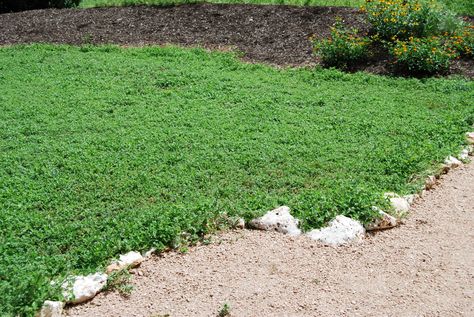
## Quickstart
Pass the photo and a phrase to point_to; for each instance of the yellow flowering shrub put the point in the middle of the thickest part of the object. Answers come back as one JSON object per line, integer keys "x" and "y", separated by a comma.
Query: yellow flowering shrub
{"x": 428, "y": 55}
{"x": 420, "y": 37}
{"x": 463, "y": 41}
{"x": 400, "y": 19}
{"x": 343, "y": 48}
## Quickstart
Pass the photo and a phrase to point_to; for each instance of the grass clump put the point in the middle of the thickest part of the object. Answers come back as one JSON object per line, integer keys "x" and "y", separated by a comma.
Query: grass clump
{"x": 224, "y": 311}
{"x": 120, "y": 281}
{"x": 104, "y": 150}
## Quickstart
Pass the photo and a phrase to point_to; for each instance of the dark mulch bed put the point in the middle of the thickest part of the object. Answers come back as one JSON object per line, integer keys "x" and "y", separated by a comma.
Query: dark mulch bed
{"x": 271, "y": 34}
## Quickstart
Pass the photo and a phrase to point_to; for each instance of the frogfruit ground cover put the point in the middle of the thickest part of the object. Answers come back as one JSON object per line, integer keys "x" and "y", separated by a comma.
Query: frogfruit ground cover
{"x": 104, "y": 150}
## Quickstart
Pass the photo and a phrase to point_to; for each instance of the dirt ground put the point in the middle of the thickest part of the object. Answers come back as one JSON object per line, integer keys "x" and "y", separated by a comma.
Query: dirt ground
{"x": 276, "y": 35}
{"x": 425, "y": 267}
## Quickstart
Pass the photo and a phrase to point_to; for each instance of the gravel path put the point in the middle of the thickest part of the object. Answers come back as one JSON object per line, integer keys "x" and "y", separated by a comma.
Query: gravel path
{"x": 423, "y": 268}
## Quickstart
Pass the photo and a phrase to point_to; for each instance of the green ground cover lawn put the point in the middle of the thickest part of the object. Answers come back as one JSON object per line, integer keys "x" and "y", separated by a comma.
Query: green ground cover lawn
{"x": 460, "y": 6}
{"x": 105, "y": 150}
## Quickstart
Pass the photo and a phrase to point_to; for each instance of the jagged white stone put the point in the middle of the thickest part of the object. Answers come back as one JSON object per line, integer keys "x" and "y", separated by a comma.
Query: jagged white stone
{"x": 470, "y": 149}
{"x": 240, "y": 223}
{"x": 385, "y": 221}
{"x": 82, "y": 288}
{"x": 400, "y": 204}
{"x": 445, "y": 168}
{"x": 430, "y": 182}
{"x": 452, "y": 162}
{"x": 52, "y": 309}
{"x": 278, "y": 219}
{"x": 411, "y": 198}
{"x": 130, "y": 259}
{"x": 341, "y": 230}
{"x": 464, "y": 155}
{"x": 150, "y": 252}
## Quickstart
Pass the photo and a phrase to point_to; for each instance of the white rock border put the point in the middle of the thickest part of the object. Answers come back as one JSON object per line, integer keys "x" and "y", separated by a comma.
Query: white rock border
{"x": 130, "y": 259}
{"x": 341, "y": 230}
{"x": 279, "y": 219}
{"x": 385, "y": 221}
{"x": 78, "y": 289}
{"x": 51, "y": 309}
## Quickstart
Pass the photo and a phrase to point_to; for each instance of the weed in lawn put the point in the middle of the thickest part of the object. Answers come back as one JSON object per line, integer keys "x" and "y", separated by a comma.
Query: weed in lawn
{"x": 120, "y": 281}
{"x": 99, "y": 157}
{"x": 87, "y": 39}
{"x": 225, "y": 311}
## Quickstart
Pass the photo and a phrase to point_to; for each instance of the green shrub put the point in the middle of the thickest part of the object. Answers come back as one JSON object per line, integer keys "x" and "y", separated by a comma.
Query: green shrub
{"x": 422, "y": 37}
{"x": 428, "y": 55}
{"x": 401, "y": 19}
{"x": 20, "y": 5}
{"x": 463, "y": 42}
{"x": 344, "y": 47}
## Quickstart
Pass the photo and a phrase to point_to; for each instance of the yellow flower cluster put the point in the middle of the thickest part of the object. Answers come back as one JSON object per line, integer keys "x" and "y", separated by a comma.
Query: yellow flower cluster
{"x": 395, "y": 17}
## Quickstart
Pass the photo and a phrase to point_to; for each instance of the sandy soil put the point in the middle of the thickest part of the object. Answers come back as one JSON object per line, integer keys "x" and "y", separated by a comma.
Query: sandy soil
{"x": 423, "y": 268}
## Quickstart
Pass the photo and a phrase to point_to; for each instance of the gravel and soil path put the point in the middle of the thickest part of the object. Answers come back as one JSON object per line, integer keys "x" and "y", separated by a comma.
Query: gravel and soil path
{"x": 423, "y": 268}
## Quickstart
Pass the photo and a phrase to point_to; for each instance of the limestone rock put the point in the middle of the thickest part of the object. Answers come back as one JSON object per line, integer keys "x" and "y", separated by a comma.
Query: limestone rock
{"x": 452, "y": 162}
{"x": 400, "y": 204}
{"x": 341, "y": 230}
{"x": 279, "y": 220}
{"x": 464, "y": 155}
{"x": 51, "y": 309}
{"x": 385, "y": 221}
{"x": 150, "y": 252}
{"x": 240, "y": 223}
{"x": 130, "y": 259}
{"x": 82, "y": 288}
{"x": 470, "y": 149}
{"x": 430, "y": 182}
{"x": 113, "y": 267}
{"x": 445, "y": 169}
{"x": 411, "y": 198}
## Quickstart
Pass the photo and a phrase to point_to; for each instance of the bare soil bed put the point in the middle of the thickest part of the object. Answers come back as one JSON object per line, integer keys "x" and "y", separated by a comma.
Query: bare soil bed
{"x": 423, "y": 268}
{"x": 270, "y": 34}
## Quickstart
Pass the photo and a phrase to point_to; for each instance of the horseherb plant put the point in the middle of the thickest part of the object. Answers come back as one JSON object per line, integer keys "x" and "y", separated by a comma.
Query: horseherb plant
{"x": 104, "y": 150}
